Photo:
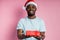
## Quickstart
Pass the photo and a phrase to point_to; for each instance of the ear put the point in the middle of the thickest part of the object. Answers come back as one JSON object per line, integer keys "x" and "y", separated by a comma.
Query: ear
{"x": 26, "y": 8}
{"x": 35, "y": 9}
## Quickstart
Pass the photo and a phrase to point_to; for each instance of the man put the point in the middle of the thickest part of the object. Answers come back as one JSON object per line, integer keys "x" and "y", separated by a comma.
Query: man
{"x": 31, "y": 23}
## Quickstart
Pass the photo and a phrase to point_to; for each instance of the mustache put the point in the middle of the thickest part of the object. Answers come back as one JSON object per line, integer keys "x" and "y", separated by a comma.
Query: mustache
{"x": 31, "y": 11}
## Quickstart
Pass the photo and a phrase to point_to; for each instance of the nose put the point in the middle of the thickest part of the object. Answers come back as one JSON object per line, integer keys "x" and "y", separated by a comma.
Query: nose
{"x": 31, "y": 8}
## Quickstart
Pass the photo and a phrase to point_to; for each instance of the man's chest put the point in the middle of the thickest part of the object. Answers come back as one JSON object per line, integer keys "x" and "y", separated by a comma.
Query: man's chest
{"x": 31, "y": 25}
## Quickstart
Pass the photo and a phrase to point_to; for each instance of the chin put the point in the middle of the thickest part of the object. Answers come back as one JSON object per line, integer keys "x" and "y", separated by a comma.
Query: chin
{"x": 31, "y": 14}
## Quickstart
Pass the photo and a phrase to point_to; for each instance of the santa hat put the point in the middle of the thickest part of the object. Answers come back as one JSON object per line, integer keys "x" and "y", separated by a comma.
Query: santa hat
{"x": 28, "y": 3}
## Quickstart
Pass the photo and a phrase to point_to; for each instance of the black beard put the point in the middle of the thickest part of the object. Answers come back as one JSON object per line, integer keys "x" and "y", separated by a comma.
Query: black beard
{"x": 31, "y": 14}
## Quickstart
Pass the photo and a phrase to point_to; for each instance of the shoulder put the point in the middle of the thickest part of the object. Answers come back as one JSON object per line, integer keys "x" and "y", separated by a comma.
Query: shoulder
{"x": 40, "y": 19}
{"x": 22, "y": 19}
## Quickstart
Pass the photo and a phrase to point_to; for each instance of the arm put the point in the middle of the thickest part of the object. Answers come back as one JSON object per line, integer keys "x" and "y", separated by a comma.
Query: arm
{"x": 42, "y": 36}
{"x": 20, "y": 29}
{"x": 20, "y": 34}
{"x": 42, "y": 29}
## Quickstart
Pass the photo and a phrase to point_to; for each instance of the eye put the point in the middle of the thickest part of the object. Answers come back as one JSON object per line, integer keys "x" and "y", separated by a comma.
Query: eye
{"x": 33, "y": 7}
{"x": 28, "y": 9}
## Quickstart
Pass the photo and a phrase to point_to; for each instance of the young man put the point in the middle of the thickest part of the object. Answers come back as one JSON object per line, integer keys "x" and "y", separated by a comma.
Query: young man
{"x": 31, "y": 24}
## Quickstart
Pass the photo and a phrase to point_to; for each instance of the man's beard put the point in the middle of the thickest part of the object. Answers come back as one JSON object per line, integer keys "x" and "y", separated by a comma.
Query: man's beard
{"x": 31, "y": 13}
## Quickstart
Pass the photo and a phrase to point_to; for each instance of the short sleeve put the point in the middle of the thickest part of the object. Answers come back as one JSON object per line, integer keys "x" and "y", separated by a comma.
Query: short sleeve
{"x": 20, "y": 25}
{"x": 42, "y": 26}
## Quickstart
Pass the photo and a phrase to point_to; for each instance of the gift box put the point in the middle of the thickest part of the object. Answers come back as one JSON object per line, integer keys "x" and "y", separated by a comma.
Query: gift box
{"x": 32, "y": 33}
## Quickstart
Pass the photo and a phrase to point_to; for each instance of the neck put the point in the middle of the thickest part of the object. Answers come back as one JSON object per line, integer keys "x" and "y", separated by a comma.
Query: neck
{"x": 31, "y": 17}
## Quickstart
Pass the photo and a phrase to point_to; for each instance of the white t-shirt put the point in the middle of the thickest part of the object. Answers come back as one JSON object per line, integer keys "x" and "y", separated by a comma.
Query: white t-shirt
{"x": 35, "y": 24}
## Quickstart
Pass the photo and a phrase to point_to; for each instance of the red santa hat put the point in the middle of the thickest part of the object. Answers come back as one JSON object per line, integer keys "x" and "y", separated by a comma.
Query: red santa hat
{"x": 29, "y": 2}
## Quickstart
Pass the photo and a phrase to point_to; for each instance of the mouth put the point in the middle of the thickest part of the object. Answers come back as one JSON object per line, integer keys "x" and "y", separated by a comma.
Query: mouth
{"x": 31, "y": 12}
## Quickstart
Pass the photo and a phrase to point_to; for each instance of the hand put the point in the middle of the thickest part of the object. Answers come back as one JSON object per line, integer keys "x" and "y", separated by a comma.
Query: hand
{"x": 37, "y": 37}
{"x": 28, "y": 36}
{"x": 42, "y": 37}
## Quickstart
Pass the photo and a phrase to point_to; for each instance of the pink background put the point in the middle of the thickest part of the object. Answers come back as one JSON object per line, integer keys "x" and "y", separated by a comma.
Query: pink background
{"x": 11, "y": 11}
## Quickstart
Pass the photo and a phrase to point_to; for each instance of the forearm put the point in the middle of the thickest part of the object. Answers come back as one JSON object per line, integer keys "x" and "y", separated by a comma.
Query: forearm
{"x": 22, "y": 36}
{"x": 42, "y": 35}
{"x": 39, "y": 38}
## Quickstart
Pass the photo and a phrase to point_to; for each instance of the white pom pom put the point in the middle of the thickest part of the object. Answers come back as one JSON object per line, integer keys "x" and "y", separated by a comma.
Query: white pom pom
{"x": 24, "y": 8}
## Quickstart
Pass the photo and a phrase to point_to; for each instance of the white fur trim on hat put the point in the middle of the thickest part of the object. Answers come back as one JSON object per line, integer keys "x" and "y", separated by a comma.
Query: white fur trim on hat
{"x": 31, "y": 3}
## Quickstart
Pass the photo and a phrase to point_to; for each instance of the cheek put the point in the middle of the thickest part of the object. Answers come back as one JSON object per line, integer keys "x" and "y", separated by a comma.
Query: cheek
{"x": 27, "y": 10}
{"x": 33, "y": 9}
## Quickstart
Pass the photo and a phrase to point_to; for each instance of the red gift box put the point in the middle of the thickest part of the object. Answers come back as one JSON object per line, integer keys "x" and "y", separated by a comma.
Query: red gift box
{"x": 32, "y": 33}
